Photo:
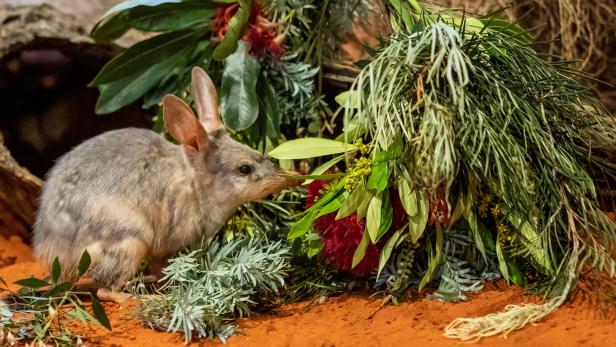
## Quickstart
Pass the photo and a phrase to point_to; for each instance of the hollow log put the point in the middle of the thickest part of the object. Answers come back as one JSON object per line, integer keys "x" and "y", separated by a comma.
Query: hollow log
{"x": 27, "y": 25}
{"x": 19, "y": 190}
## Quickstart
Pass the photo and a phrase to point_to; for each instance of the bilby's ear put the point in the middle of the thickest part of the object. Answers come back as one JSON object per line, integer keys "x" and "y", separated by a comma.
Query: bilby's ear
{"x": 181, "y": 123}
{"x": 206, "y": 101}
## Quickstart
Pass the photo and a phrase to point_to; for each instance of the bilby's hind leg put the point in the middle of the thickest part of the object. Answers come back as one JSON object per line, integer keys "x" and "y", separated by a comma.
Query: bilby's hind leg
{"x": 104, "y": 294}
{"x": 117, "y": 264}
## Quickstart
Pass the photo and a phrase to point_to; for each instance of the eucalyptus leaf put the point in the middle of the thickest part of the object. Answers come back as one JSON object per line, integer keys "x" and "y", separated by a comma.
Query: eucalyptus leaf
{"x": 84, "y": 263}
{"x": 362, "y": 209}
{"x": 310, "y": 147}
{"x": 56, "y": 270}
{"x": 502, "y": 263}
{"x": 59, "y": 290}
{"x": 301, "y": 227}
{"x": 378, "y": 177}
{"x": 99, "y": 313}
{"x": 373, "y": 217}
{"x": 533, "y": 242}
{"x": 333, "y": 205}
{"x": 141, "y": 56}
{"x": 355, "y": 199}
{"x": 160, "y": 18}
{"x": 238, "y": 92}
{"x": 418, "y": 222}
{"x": 122, "y": 92}
{"x": 407, "y": 197}
{"x": 31, "y": 282}
{"x": 134, "y": 3}
{"x": 386, "y": 215}
{"x": 314, "y": 246}
{"x": 387, "y": 249}
{"x": 360, "y": 252}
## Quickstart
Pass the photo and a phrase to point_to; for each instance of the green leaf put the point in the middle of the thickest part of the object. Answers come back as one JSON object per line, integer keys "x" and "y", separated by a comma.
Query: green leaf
{"x": 379, "y": 177}
{"x": 404, "y": 13}
{"x": 315, "y": 244}
{"x": 310, "y": 147}
{"x": 512, "y": 30}
{"x": 333, "y": 205}
{"x": 59, "y": 290}
{"x": 84, "y": 263}
{"x": 348, "y": 99}
{"x": 352, "y": 130}
{"x": 110, "y": 29}
{"x": 31, "y": 282}
{"x": 533, "y": 243}
{"x": 360, "y": 252}
{"x": 407, "y": 197}
{"x": 387, "y": 249}
{"x": 161, "y": 18}
{"x": 239, "y": 102}
{"x": 333, "y": 193}
{"x": 373, "y": 217}
{"x": 471, "y": 218}
{"x": 172, "y": 17}
{"x": 141, "y": 56}
{"x": 458, "y": 210}
{"x": 324, "y": 167}
{"x": 122, "y": 92}
{"x": 271, "y": 109}
{"x": 362, "y": 209}
{"x": 301, "y": 227}
{"x": 99, "y": 313}
{"x": 134, "y": 3}
{"x": 56, "y": 271}
{"x": 486, "y": 236}
{"x": 234, "y": 32}
{"x": 386, "y": 216}
{"x": 435, "y": 259}
{"x": 502, "y": 263}
{"x": 418, "y": 222}
{"x": 355, "y": 199}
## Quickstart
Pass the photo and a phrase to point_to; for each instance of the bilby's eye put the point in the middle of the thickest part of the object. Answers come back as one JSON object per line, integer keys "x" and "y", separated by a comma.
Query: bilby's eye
{"x": 245, "y": 170}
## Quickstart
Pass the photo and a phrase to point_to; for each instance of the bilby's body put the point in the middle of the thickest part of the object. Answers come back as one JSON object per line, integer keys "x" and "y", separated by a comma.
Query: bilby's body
{"x": 130, "y": 194}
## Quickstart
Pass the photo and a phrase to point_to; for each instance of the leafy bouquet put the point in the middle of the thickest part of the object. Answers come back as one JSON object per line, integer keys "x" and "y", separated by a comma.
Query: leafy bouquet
{"x": 260, "y": 54}
{"x": 487, "y": 147}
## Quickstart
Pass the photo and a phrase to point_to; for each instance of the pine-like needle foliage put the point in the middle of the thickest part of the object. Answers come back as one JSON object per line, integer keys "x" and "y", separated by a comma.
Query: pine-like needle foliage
{"x": 207, "y": 288}
{"x": 478, "y": 110}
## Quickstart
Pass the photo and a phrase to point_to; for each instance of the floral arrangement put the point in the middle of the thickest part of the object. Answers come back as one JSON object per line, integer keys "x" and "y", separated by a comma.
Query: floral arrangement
{"x": 464, "y": 156}
{"x": 487, "y": 147}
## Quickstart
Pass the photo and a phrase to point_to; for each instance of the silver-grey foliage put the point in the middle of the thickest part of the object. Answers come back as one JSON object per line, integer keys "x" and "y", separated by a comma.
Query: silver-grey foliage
{"x": 206, "y": 289}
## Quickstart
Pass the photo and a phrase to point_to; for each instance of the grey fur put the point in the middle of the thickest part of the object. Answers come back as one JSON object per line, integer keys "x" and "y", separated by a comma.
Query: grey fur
{"x": 130, "y": 194}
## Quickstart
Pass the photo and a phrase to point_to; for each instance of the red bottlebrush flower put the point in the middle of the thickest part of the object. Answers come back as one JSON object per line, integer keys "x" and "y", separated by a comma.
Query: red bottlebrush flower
{"x": 261, "y": 33}
{"x": 341, "y": 237}
{"x": 439, "y": 211}
{"x": 222, "y": 18}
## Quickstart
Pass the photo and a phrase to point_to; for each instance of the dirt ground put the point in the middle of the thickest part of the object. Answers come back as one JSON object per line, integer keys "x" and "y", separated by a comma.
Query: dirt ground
{"x": 343, "y": 321}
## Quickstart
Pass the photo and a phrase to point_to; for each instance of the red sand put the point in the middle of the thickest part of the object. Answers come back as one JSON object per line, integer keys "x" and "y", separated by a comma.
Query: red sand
{"x": 342, "y": 321}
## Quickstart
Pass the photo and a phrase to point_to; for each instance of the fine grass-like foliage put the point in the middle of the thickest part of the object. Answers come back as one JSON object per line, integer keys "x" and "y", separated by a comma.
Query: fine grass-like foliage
{"x": 475, "y": 131}
{"x": 207, "y": 288}
{"x": 36, "y": 312}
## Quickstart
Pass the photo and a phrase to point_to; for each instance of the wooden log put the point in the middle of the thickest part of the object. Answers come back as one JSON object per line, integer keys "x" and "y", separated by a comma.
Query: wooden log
{"x": 19, "y": 191}
{"x": 53, "y": 24}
